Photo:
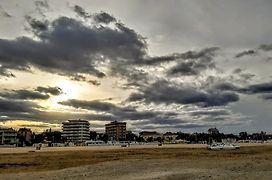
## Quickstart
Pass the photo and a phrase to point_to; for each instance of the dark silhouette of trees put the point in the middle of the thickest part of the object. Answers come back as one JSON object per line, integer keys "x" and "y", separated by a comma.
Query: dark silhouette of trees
{"x": 53, "y": 137}
{"x": 93, "y": 135}
{"x": 39, "y": 138}
{"x": 131, "y": 136}
{"x": 48, "y": 137}
{"x": 150, "y": 139}
{"x": 183, "y": 136}
{"x": 159, "y": 139}
{"x": 140, "y": 139}
{"x": 243, "y": 136}
{"x": 103, "y": 137}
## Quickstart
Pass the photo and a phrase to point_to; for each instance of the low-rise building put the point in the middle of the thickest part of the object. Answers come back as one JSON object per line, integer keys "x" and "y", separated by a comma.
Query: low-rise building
{"x": 169, "y": 136}
{"x": 116, "y": 131}
{"x": 25, "y": 137}
{"x": 150, "y": 135}
{"x": 76, "y": 131}
{"x": 8, "y": 136}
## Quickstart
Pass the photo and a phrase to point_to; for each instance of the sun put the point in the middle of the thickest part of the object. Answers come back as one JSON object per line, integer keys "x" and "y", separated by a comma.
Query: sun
{"x": 70, "y": 91}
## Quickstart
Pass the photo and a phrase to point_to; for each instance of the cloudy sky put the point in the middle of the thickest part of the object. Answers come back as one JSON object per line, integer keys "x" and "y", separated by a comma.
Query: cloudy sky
{"x": 158, "y": 65}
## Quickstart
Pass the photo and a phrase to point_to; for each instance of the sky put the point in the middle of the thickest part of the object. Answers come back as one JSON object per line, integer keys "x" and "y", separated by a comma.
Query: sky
{"x": 157, "y": 65}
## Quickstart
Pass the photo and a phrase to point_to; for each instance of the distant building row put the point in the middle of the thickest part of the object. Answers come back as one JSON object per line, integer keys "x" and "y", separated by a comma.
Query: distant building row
{"x": 78, "y": 131}
{"x": 8, "y": 136}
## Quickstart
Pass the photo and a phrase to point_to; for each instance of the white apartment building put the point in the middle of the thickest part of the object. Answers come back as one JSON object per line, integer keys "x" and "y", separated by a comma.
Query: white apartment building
{"x": 8, "y": 136}
{"x": 76, "y": 131}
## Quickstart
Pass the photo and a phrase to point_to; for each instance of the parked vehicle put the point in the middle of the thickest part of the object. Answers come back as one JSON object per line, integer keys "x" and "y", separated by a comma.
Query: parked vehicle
{"x": 222, "y": 146}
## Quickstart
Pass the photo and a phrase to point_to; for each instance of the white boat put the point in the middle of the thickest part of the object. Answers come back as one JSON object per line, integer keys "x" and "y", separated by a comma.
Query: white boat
{"x": 222, "y": 146}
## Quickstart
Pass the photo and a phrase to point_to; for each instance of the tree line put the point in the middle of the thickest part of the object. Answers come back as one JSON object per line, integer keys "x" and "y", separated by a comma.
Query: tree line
{"x": 27, "y": 138}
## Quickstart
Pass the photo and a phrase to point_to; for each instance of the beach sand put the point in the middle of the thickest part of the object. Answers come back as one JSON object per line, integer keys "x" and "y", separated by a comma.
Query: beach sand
{"x": 137, "y": 162}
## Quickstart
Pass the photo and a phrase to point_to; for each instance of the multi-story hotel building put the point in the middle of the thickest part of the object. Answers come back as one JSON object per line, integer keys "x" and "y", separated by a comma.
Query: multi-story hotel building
{"x": 76, "y": 131}
{"x": 116, "y": 131}
{"x": 8, "y": 136}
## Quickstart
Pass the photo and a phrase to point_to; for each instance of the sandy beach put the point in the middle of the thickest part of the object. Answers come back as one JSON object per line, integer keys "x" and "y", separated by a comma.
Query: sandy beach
{"x": 183, "y": 161}
{"x": 111, "y": 147}
{"x": 98, "y": 147}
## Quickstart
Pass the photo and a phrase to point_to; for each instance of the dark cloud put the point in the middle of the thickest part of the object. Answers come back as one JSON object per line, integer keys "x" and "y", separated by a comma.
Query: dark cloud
{"x": 214, "y": 119}
{"x": 258, "y": 88}
{"x": 59, "y": 117}
{"x": 78, "y": 77}
{"x": 265, "y": 47}
{"x": 23, "y": 94}
{"x": 174, "y": 126}
{"x": 90, "y": 105}
{"x": 81, "y": 12}
{"x": 188, "y": 68}
{"x": 40, "y": 93}
{"x": 120, "y": 113}
{"x": 11, "y": 109}
{"x": 215, "y": 113}
{"x": 247, "y": 76}
{"x": 267, "y": 96}
{"x": 52, "y": 116}
{"x": 69, "y": 47}
{"x": 164, "y": 92}
{"x": 189, "y": 63}
{"x": 42, "y": 4}
{"x": 262, "y": 88}
{"x": 94, "y": 82}
{"x": 195, "y": 62}
{"x": 162, "y": 119}
{"x": 225, "y": 86}
{"x": 16, "y": 106}
{"x": 204, "y": 55}
{"x": 5, "y": 72}
{"x": 237, "y": 70}
{"x": 41, "y": 7}
{"x": 135, "y": 78}
{"x": 50, "y": 90}
{"x": 104, "y": 17}
{"x": 162, "y": 59}
{"x": 135, "y": 115}
{"x": 37, "y": 25}
{"x": 246, "y": 53}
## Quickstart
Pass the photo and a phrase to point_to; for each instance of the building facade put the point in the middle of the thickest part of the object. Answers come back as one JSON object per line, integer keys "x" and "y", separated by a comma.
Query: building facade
{"x": 76, "y": 131}
{"x": 116, "y": 131}
{"x": 150, "y": 135}
{"x": 25, "y": 137}
{"x": 8, "y": 136}
{"x": 169, "y": 136}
